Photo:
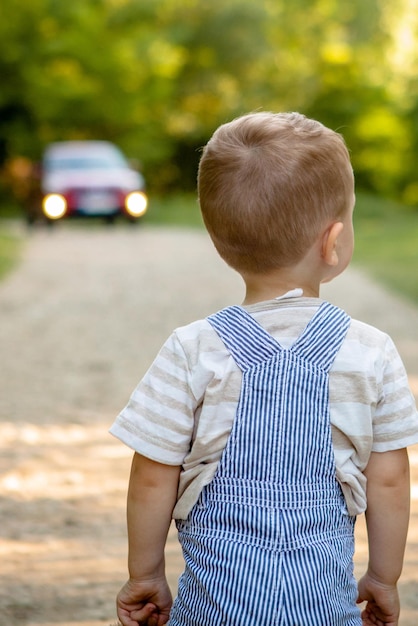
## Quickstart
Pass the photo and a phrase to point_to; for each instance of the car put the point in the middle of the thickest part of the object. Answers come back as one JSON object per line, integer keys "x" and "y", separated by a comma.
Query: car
{"x": 90, "y": 179}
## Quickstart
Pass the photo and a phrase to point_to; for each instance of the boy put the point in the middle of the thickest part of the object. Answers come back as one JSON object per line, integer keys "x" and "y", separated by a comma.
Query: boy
{"x": 266, "y": 428}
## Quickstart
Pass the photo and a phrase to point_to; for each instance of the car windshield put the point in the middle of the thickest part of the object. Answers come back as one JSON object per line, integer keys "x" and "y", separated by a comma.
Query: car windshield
{"x": 94, "y": 162}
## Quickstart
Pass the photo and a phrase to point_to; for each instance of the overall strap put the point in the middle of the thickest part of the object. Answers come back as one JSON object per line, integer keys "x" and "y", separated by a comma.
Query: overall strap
{"x": 245, "y": 338}
{"x": 323, "y": 336}
{"x": 249, "y": 343}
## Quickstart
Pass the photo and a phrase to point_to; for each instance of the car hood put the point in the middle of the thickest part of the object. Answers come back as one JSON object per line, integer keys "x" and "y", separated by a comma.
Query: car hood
{"x": 125, "y": 179}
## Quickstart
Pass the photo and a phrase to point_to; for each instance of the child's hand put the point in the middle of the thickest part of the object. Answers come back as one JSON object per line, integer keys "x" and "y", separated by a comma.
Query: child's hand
{"x": 382, "y": 607}
{"x": 147, "y": 603}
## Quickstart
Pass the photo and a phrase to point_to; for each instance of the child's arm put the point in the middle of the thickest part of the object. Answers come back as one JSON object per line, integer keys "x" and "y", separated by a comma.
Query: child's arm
{"x": 387, "y": 518}
{"x": 152, "y": 493}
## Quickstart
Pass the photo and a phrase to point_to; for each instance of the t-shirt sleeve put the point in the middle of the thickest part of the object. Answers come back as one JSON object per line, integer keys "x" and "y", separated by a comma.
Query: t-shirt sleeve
{"x": 158, "y": 420}
{"x": 395, "y": 422}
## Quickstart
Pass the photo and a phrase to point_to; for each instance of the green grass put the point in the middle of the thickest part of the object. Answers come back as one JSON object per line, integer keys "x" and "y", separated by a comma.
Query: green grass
{"x": 387, "y": 243}
{"x": 10, "y": 247}
{"x": 176, "y": 210}
{"x": 386, "y": 237}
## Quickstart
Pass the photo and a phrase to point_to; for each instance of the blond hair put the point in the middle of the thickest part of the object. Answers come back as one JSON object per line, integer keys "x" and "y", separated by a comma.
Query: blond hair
{"x": 267, "y": 184}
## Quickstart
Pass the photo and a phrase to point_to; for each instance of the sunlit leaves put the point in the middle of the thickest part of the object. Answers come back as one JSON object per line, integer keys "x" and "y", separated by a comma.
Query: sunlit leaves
{"x": 157, "y": 76}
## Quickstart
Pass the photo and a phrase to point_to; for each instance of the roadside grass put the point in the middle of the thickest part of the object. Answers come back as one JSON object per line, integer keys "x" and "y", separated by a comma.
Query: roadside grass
{"x": 10, "y": 248}
{"x": 386, "y": 237}
{"x": 175, "y": 210}
{"x": 386, "y": 243}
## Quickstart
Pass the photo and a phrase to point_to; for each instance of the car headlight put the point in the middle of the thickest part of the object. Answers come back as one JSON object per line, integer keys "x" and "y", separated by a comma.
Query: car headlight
{"x": 54, "y": 206}
{"x": 136, "y": 203}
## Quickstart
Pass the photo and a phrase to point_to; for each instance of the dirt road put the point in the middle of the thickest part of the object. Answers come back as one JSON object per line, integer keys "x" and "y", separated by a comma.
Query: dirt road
{"x": 80, "y": 321}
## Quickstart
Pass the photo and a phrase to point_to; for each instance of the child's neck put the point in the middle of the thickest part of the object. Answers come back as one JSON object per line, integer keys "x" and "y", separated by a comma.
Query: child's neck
{"x": 262, "y": 287}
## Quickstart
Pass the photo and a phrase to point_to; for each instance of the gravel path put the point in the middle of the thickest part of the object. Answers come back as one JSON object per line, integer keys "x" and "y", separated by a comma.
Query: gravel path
{"x": 80, "y": 321}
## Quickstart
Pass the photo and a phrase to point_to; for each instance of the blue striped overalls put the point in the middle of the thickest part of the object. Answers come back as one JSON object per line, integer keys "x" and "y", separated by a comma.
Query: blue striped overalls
{"x": 269, "y": 541}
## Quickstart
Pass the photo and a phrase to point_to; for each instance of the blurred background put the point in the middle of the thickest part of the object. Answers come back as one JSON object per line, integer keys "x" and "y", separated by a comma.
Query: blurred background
{"x": 158, "y": 76}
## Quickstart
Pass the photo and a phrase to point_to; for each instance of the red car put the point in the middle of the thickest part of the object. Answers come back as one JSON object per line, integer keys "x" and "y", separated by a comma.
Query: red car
{"x": 92, "y": 179}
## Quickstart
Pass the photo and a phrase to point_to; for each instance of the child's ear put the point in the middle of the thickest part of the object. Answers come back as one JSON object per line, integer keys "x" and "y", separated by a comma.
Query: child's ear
{"x": 329, "y": 243}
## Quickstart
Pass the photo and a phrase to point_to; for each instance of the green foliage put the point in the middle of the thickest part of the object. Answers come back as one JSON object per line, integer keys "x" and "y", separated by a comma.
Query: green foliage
{"x": 158, "y": 76}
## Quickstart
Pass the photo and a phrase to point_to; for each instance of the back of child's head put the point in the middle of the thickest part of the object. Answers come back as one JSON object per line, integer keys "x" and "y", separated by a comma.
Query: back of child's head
{"x": 267, "y": 185}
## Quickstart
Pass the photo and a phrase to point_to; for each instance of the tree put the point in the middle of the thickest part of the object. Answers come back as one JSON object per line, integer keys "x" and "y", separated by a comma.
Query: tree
{"x": 158, "y": 76}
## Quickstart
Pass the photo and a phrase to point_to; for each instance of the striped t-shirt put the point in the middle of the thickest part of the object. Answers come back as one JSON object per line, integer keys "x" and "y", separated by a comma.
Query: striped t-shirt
{"x": 182, "y": 411}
